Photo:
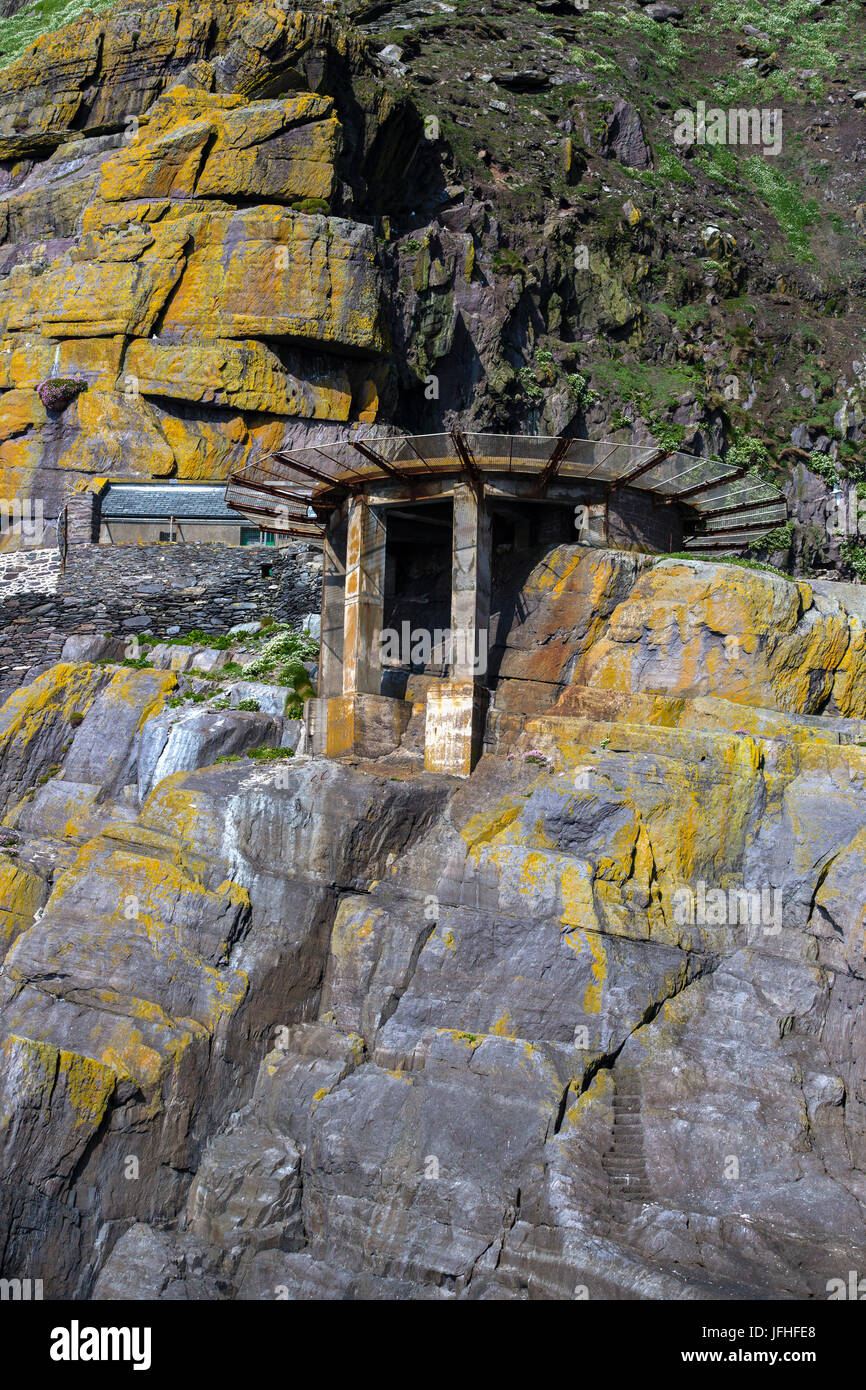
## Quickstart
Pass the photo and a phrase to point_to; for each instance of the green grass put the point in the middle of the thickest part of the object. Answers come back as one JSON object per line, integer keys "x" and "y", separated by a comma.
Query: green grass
{"x": 794, "y": 213}
{"x": 648, "y": 386}
{"x": 799, "y": 40}
{"x": 42, "y": 17}
{"x": 260, "y": 755}
{"x": 854, "y": 554}
{"x": 665, "y": 43}
{"x": 586, "y": 58}
{"x": 783, "y": 22}
{"x": 773, "y": 541}
{"x": 198, "y": 638}
{"x": 726, "y": 560}
{"x": 720, "y": 164}
{"x": 670, "y": 168}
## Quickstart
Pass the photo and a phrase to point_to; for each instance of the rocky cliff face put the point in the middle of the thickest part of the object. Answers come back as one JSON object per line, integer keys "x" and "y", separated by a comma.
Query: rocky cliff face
{"x": 588, "y": 1023}
{"x": 245, "y": 227}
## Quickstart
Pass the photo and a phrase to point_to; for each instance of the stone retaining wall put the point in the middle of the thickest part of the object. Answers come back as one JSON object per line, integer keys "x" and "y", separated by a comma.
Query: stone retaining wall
{"x": 144, "y": 588}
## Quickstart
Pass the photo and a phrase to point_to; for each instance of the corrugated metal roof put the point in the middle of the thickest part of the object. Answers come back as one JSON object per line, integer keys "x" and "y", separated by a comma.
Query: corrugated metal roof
{"x": 158, "y": 502}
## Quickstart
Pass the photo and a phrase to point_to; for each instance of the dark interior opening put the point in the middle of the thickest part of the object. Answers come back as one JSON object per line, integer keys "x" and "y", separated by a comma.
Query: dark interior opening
{"x": 418, "y": 579}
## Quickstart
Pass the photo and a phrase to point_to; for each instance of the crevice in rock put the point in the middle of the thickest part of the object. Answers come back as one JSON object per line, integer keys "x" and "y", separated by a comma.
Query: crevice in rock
{"x": 607, "y": 1060}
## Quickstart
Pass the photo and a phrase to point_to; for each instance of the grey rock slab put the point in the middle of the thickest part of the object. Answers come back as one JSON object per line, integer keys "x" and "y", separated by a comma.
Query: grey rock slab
{"x": 92, "y": 646}
{"x": 148, "y": 1264}
{"x": 246, "y": 1193}
{"x": 210, "y": 659}
{"x": 105, "y": 744}
{"x": 271, "y": 699}
{"x": 181, "y": 740}
{"x": 624, "y": 139}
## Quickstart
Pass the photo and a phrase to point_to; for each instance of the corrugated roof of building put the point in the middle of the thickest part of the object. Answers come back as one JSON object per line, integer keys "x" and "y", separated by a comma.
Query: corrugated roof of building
{"x": 159, "y": 502}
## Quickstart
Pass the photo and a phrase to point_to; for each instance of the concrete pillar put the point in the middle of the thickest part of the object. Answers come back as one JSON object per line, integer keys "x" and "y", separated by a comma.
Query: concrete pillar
{"x": 365, "y": 599}
{"x": 470, "y": 584}
{"x": 456, "y": 708}
{"x": 359, "y": 720}
{"x": 333, "y": 605}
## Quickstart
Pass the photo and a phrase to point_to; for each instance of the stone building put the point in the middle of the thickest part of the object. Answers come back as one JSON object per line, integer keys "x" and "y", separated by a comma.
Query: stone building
{"x": 133, "y": 513}
{"x": 426, "y": 539}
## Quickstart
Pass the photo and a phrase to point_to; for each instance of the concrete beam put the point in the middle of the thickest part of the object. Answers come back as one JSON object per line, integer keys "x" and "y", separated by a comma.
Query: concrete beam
{"x": 503, "y": 486}
{"x": 333, "y": 610}
{"x": 365, "y": 598}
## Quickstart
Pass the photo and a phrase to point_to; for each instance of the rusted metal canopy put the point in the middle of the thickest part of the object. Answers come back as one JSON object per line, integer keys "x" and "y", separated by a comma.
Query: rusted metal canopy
{"x": 272, "y": 491}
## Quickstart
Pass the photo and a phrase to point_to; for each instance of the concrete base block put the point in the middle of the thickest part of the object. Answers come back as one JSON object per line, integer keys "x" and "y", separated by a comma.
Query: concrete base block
{"x": 315, "y": 726}
{"x": 369, "y": 726}
{"x": 454, "y": 730}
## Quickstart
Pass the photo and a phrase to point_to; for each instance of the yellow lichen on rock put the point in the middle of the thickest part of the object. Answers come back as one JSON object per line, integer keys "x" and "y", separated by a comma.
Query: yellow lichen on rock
{"x": 20, "y": 411}
{"x": 116, "y": 285}
{"x": 691, "y": 628}
{"x": 245, "y": 375}
{"x": 203, "y": 144}
{"x": 22, "y": 893}
{"x": 39, "y": 1074}
{"x": 264, "y": 272}
{"x": 87, "y": 1085}
{"x": 143, "y": 691}
{"x": 58, "y": 693}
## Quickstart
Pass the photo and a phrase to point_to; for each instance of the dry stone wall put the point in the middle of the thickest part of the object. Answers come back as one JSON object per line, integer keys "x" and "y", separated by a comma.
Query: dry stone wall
{"x": 146, "y": 588}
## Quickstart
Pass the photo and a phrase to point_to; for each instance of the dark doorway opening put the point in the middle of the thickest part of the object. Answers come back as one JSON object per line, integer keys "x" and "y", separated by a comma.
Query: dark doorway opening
{"x": 417, "y": 593}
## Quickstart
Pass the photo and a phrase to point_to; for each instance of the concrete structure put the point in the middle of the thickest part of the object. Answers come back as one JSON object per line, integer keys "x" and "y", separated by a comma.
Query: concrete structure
{"x": 416, "y": 529}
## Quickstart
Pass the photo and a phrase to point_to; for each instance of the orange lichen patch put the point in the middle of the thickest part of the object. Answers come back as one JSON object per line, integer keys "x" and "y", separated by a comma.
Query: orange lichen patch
{"x": 19, "y": 412}
{"x": 578, "y": 904}
{"x": 487, "y": 825}
{"x": 201, "y": 143}
{"x": 88, "y": 1086}
{"x": 595, "y": 941}
{"x": 244, "y": 375}
{"x": 592, "y": 998}
{"x": 22, "y": 893}
{"x": 47, "y": 1077}
{"x": 849, "y": 685}
{"x": 701, "y": 629}
{"x": 118, "y": 433}
{"x": 327, "y": 290}
{"x": 554, "y": 578}
{"x": 54, "y": 695}
{"x": 143, "y": 690}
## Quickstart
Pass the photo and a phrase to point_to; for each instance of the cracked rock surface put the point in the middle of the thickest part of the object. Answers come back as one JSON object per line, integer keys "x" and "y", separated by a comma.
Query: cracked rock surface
{"x": 588, "y": 1023}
